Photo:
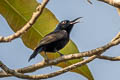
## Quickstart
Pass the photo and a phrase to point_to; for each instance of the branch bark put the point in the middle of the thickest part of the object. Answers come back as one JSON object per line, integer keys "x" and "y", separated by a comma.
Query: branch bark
{"x": 114, "y": 3}
{"x": 109, "y": 58}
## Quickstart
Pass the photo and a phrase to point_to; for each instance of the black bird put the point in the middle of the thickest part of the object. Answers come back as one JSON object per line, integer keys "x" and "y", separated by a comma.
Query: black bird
{"x": 57, "y": 39}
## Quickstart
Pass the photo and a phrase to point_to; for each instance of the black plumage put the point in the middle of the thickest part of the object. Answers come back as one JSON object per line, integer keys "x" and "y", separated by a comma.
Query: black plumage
{"x": 57, "y": 39}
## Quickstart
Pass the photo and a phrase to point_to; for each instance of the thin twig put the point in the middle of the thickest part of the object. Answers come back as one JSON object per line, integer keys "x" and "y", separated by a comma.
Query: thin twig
{"x": 89, "y": 1}
{"x": 109, "y": 58}
{"x": 116, "y": 37}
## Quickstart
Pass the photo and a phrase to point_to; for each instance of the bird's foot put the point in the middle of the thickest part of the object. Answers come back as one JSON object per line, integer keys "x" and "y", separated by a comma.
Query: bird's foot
{"x": 47, "y": 60}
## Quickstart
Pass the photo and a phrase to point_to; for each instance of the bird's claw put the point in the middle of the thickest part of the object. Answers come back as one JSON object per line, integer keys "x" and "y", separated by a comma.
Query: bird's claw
{"x": 47, "y": 60}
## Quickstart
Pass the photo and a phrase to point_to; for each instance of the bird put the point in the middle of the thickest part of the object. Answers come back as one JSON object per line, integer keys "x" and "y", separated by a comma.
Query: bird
{"x": 55, "y": 40}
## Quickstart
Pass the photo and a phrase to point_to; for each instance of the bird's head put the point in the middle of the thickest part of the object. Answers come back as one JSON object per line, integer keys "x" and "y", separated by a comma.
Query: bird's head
{"x": 67, "y": 25}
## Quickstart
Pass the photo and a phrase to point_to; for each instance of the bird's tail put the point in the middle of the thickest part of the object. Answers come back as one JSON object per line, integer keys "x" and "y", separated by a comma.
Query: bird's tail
{"x": 36, "y": 51}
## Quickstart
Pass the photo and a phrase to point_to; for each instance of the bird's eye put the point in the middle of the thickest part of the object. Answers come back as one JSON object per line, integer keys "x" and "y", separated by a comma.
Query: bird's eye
{"x": 63, "y": 22}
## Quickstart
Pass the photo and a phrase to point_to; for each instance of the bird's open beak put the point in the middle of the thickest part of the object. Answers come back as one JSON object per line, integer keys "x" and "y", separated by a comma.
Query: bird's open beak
{"x": 77, "y": 20}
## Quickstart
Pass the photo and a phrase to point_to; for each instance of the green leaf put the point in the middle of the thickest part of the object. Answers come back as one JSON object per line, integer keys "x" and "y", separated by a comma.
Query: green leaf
{"x": 18, "y": 12}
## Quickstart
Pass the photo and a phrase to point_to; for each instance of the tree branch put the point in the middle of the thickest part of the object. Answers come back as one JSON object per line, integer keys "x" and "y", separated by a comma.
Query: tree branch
{"x": 28, "y": 25}
{"x": 45, "y": 76}
{"x": 116, "y": 37}
{"x": 109, "y": 58}
{"x": 95, "y": 52}
{"x": 114, "y": 3}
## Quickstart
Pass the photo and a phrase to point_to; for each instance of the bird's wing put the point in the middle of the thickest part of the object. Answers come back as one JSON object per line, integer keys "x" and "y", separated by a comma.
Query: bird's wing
{"x": 52, "y": 37}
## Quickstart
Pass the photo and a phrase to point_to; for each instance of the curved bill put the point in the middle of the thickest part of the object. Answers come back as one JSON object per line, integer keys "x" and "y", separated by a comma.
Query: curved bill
{"x": 77, "y": 20}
